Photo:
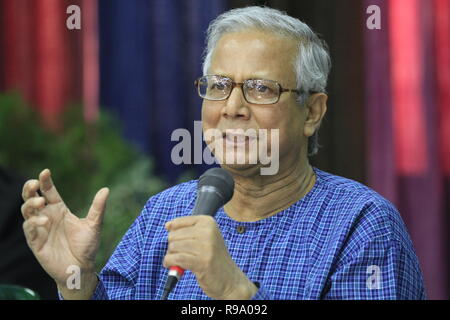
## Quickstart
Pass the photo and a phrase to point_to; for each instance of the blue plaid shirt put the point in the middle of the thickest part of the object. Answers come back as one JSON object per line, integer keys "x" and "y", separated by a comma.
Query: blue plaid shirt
{"x": 341, "y": 241}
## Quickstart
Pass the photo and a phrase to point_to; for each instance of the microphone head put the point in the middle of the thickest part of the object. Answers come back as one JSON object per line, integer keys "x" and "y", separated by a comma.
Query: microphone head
{"x": 221, "y": 180}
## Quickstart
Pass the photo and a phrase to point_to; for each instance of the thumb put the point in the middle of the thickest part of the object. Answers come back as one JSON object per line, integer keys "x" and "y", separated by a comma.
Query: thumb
{"x": 97, "y": 209}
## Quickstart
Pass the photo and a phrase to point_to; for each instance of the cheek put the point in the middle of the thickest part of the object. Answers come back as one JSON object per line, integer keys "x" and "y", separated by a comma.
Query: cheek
{"x": 273, "y": 118}
{"x": 210, "y": 115}
{"x": 268, "y": 118}
{"x": 287, "y": 120}
{"x": 293, "y": 132}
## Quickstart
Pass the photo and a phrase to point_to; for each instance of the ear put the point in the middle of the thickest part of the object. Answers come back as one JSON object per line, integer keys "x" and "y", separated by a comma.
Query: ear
{"x": 316, "y": 107}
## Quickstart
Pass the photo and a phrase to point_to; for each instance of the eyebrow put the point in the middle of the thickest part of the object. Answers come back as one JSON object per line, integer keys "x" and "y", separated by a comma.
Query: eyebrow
{"x": 246, "y": 78}
{"x": 254, "y": 76}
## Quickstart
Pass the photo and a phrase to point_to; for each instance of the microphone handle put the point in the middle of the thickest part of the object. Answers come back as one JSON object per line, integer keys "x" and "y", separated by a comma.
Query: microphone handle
{"x": 208, "y": 202}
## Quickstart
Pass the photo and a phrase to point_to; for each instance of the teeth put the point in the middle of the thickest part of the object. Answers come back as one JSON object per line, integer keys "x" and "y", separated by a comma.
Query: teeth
{"x": 237, "y": 138}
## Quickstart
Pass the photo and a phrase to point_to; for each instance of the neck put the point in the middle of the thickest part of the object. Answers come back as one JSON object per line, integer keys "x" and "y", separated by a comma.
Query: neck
{"x": 258, "y": 197}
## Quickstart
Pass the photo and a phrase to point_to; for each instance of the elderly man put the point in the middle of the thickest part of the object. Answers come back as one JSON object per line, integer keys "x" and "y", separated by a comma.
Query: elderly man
{"x": 298, "y": 234}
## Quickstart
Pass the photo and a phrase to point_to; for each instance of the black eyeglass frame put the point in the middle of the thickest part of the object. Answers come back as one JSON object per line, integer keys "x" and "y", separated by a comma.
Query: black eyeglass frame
{"x": 241, "y": 85}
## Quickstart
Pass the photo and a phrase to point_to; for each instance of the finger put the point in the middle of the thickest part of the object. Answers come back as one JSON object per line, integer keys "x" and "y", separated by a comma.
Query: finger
{"x": 97, "y": 210}
{"x": 30, "y": 189}
{"x": 184, "y": 246}
{"x": 183, "y": 222}
{"x": 35, "y": 232}
{"x": 182, "y": 234}
{"x": 48, "y": 188}
{"x": 182, "y": 260}
{"x": 31, "y": 207}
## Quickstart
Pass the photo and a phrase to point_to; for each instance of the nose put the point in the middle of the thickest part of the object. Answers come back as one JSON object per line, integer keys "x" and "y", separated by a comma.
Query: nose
{"x": 236, "y": 106}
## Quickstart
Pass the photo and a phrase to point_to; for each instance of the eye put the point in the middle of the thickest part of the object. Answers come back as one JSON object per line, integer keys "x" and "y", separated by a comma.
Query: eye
{"x": 218, "y": 86}
{"x": 259, "y": 87}
{"x": 262, "y": 88}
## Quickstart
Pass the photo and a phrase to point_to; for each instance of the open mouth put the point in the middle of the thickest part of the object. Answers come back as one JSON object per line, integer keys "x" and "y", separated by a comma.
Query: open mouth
{"x": 238, "y": 139}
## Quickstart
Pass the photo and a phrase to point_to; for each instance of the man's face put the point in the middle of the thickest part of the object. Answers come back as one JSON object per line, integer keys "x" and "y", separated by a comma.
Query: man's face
{"x": 253, "y": 54}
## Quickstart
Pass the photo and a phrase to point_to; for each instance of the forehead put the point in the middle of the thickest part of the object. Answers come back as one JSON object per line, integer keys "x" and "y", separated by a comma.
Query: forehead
{"x": 255, "y": 53}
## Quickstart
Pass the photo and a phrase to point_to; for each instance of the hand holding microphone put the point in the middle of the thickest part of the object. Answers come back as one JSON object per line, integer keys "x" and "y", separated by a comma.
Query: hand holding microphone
{"x": 196, "y": 244}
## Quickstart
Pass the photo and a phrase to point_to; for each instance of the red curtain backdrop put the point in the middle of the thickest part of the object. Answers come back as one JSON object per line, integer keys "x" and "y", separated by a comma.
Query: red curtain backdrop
{"x": 45, "y": 61}
{"x": 442, "y": 47}
{"x": 407, "y": 96}
{"x": 17, "y": 24}
{"x": 91, "y": 70}
{"x": 408, "y": 125}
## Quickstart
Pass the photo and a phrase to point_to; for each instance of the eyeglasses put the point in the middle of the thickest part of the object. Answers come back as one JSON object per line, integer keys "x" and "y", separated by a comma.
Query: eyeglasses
{"x": 257, "y": 91}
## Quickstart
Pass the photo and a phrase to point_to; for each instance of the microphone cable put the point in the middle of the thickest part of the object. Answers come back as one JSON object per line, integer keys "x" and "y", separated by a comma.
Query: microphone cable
{"x": 174, "y": 275}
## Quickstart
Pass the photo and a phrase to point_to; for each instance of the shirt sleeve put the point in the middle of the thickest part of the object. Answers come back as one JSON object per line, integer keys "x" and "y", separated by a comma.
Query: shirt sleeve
{"x": 261, "y": 294}
{"x": 100, "y": 292}
{"x": 117, "y": 280}
{"x": 381, "y": 269}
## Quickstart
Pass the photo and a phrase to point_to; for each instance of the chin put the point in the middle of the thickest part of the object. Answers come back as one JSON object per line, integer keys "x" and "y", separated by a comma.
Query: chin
{"x": 242, "y": 169}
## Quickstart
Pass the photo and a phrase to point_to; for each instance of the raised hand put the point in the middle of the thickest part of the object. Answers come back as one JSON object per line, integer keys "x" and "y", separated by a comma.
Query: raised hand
{"x": 58, "y": 238}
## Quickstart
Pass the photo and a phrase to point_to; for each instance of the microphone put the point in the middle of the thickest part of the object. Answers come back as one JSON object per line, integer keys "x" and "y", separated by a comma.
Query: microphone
{"x": 215, "y": 188}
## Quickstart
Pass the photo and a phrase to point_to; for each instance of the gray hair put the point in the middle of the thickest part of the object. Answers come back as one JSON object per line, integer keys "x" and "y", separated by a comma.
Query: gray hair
{"x": 312, "y": 64}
